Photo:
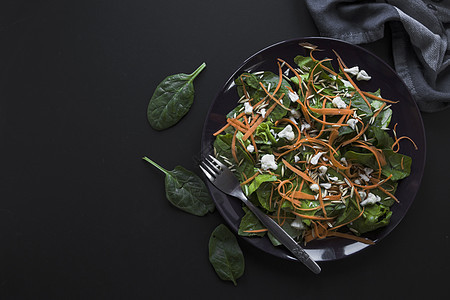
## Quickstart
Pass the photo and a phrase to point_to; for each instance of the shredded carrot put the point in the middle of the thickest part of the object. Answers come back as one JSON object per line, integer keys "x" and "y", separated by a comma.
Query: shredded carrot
{"x": 297, "y": 171}
{"x": 256, "y": 230}
{"x": 351, "y": 237}
{"x": 233, "y": 147}
{"x": 342, "y": 67}
{"x": 401, "y": 138}
{"x": 250, "y": 178}
{"x": 258, "y": 122}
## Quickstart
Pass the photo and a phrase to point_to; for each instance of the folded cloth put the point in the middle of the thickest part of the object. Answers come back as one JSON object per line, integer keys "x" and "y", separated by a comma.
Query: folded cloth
{"x": 420, "y": 39}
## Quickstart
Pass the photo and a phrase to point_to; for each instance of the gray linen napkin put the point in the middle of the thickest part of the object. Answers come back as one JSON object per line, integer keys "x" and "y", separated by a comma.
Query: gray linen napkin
{"x": 420, "y": 39}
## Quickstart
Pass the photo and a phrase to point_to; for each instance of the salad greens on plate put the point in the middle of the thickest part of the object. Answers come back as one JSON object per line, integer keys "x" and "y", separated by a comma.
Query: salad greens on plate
{"x": 313, "y": 150}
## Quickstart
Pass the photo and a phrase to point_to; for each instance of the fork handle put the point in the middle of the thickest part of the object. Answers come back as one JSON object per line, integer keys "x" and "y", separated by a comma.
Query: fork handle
{"x": 284, "y": 238}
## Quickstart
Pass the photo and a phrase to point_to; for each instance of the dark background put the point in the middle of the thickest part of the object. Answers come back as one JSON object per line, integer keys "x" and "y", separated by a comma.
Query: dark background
{"x": 83, "y": 217}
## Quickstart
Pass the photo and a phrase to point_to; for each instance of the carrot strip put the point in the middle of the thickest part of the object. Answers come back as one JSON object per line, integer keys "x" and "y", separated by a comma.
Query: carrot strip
{"x": 233, "y": 147}
{"x": 375, "y": 97}
{"x": 297, "y": 171}
{"x": 342, "y": 67}
{"x": 250, "y": 178}
{"x": 351, "y": 237}
{"x": 313, "y": 217}
{"x": 256, "y": 230}
{"x": 258, "y": 122}
{"x": 228, "y": 124}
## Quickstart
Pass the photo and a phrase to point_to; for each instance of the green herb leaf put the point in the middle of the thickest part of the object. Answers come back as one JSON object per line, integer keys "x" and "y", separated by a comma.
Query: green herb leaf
{"x": 225, "y": 254}
{"x": 185, "y": 190}
{"x": 172, "y": 99}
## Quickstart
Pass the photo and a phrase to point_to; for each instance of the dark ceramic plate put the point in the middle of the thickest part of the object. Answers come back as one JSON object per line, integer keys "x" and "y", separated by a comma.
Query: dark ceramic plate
{"x": 405, "y": 113}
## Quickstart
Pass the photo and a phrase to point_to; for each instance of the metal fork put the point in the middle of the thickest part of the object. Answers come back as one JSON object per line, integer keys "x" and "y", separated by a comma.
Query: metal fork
{"x": 227, "y": 182}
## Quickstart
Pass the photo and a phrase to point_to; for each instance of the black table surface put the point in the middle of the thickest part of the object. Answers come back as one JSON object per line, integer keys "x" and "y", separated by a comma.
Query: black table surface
{"x": 83, "y": 217}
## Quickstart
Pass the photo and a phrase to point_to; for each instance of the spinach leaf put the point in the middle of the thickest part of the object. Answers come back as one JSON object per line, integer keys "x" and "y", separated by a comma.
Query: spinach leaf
{"x": 374, "y": 217}
{"x": 394, "y": 165}
{"x": 222, "y": 144}
{"x": 185, "y": 190}
{"x": 250, "y": 222}
{"x": 225, "y": 254}
{"x": 259, "y": 180}
{"x": 172, "y": 99}
{"x": 263, "y": 194}
{"x": 351, "y": 212}
{"x": 366, "y": 159}
{"x": 293, "y": 232}
{"x": 382, "y": 138}
{"x": 253, "y": 87}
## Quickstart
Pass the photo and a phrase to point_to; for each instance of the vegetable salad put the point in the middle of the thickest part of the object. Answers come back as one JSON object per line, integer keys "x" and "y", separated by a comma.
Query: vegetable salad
{"x": 313, "y": 150}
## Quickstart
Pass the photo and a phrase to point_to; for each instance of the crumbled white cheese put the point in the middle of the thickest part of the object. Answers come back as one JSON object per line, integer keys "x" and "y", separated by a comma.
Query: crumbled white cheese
{"x": 326, "y": 185}
{"x": 296, "y": 158}
{"x": 295, "y": 113}
{"x": 248, "y": 109}
{"x": 315, "y": 159}
{"x": 293, "y": 120}
{"x": 362, "y": 194}
{"x": 273, "y": 133}
{"x": 323, "y": 170}
{"x": 362, "y": 75}
{"x": 293, "y": 96}
{"x": 371, "y": 199}
{"x": 338, "y": 102}
{"x": 364, "y": 177}
{"x": 314, "y": 187}
{"x": 357, "y": 181}
{"x": 305, "y": 126}
{"x": 343, "y": 160}
{"x": 352, "y": 71}
{"x": 287, "y": 133}
{"x": 335, "y": 178}
{"x": 368, "y": 171}
{"x": 250, "y": 148}
{"x": 352, "y": 123}
{"x": 262, "y": 112}
{"x": 268, "y": 162}
{"x": 286, "y": 72}
{"x": 346, "y": 83}
{"x": 297, "y": 223}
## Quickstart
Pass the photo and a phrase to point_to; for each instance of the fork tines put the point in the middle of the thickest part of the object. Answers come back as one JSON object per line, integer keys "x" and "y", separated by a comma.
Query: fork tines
{"x": 211, "y": 167}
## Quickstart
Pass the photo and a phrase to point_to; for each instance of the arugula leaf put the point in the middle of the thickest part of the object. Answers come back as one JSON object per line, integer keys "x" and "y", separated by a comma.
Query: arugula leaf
{"x": 172, "y": 99}
{"x": 225, "y": 254}
{"x": 185, "y": 190}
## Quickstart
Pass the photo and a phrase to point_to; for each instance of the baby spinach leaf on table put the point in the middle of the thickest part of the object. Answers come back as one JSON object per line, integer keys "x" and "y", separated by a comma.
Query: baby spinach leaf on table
{"x": 225, "y": 254}
{"x": 172, "y": 99}
{"x": 185, "y": 190}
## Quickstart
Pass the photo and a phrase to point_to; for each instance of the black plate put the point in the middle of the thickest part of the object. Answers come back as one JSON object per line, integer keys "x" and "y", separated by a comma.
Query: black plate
{"x": 405, "y": 113}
